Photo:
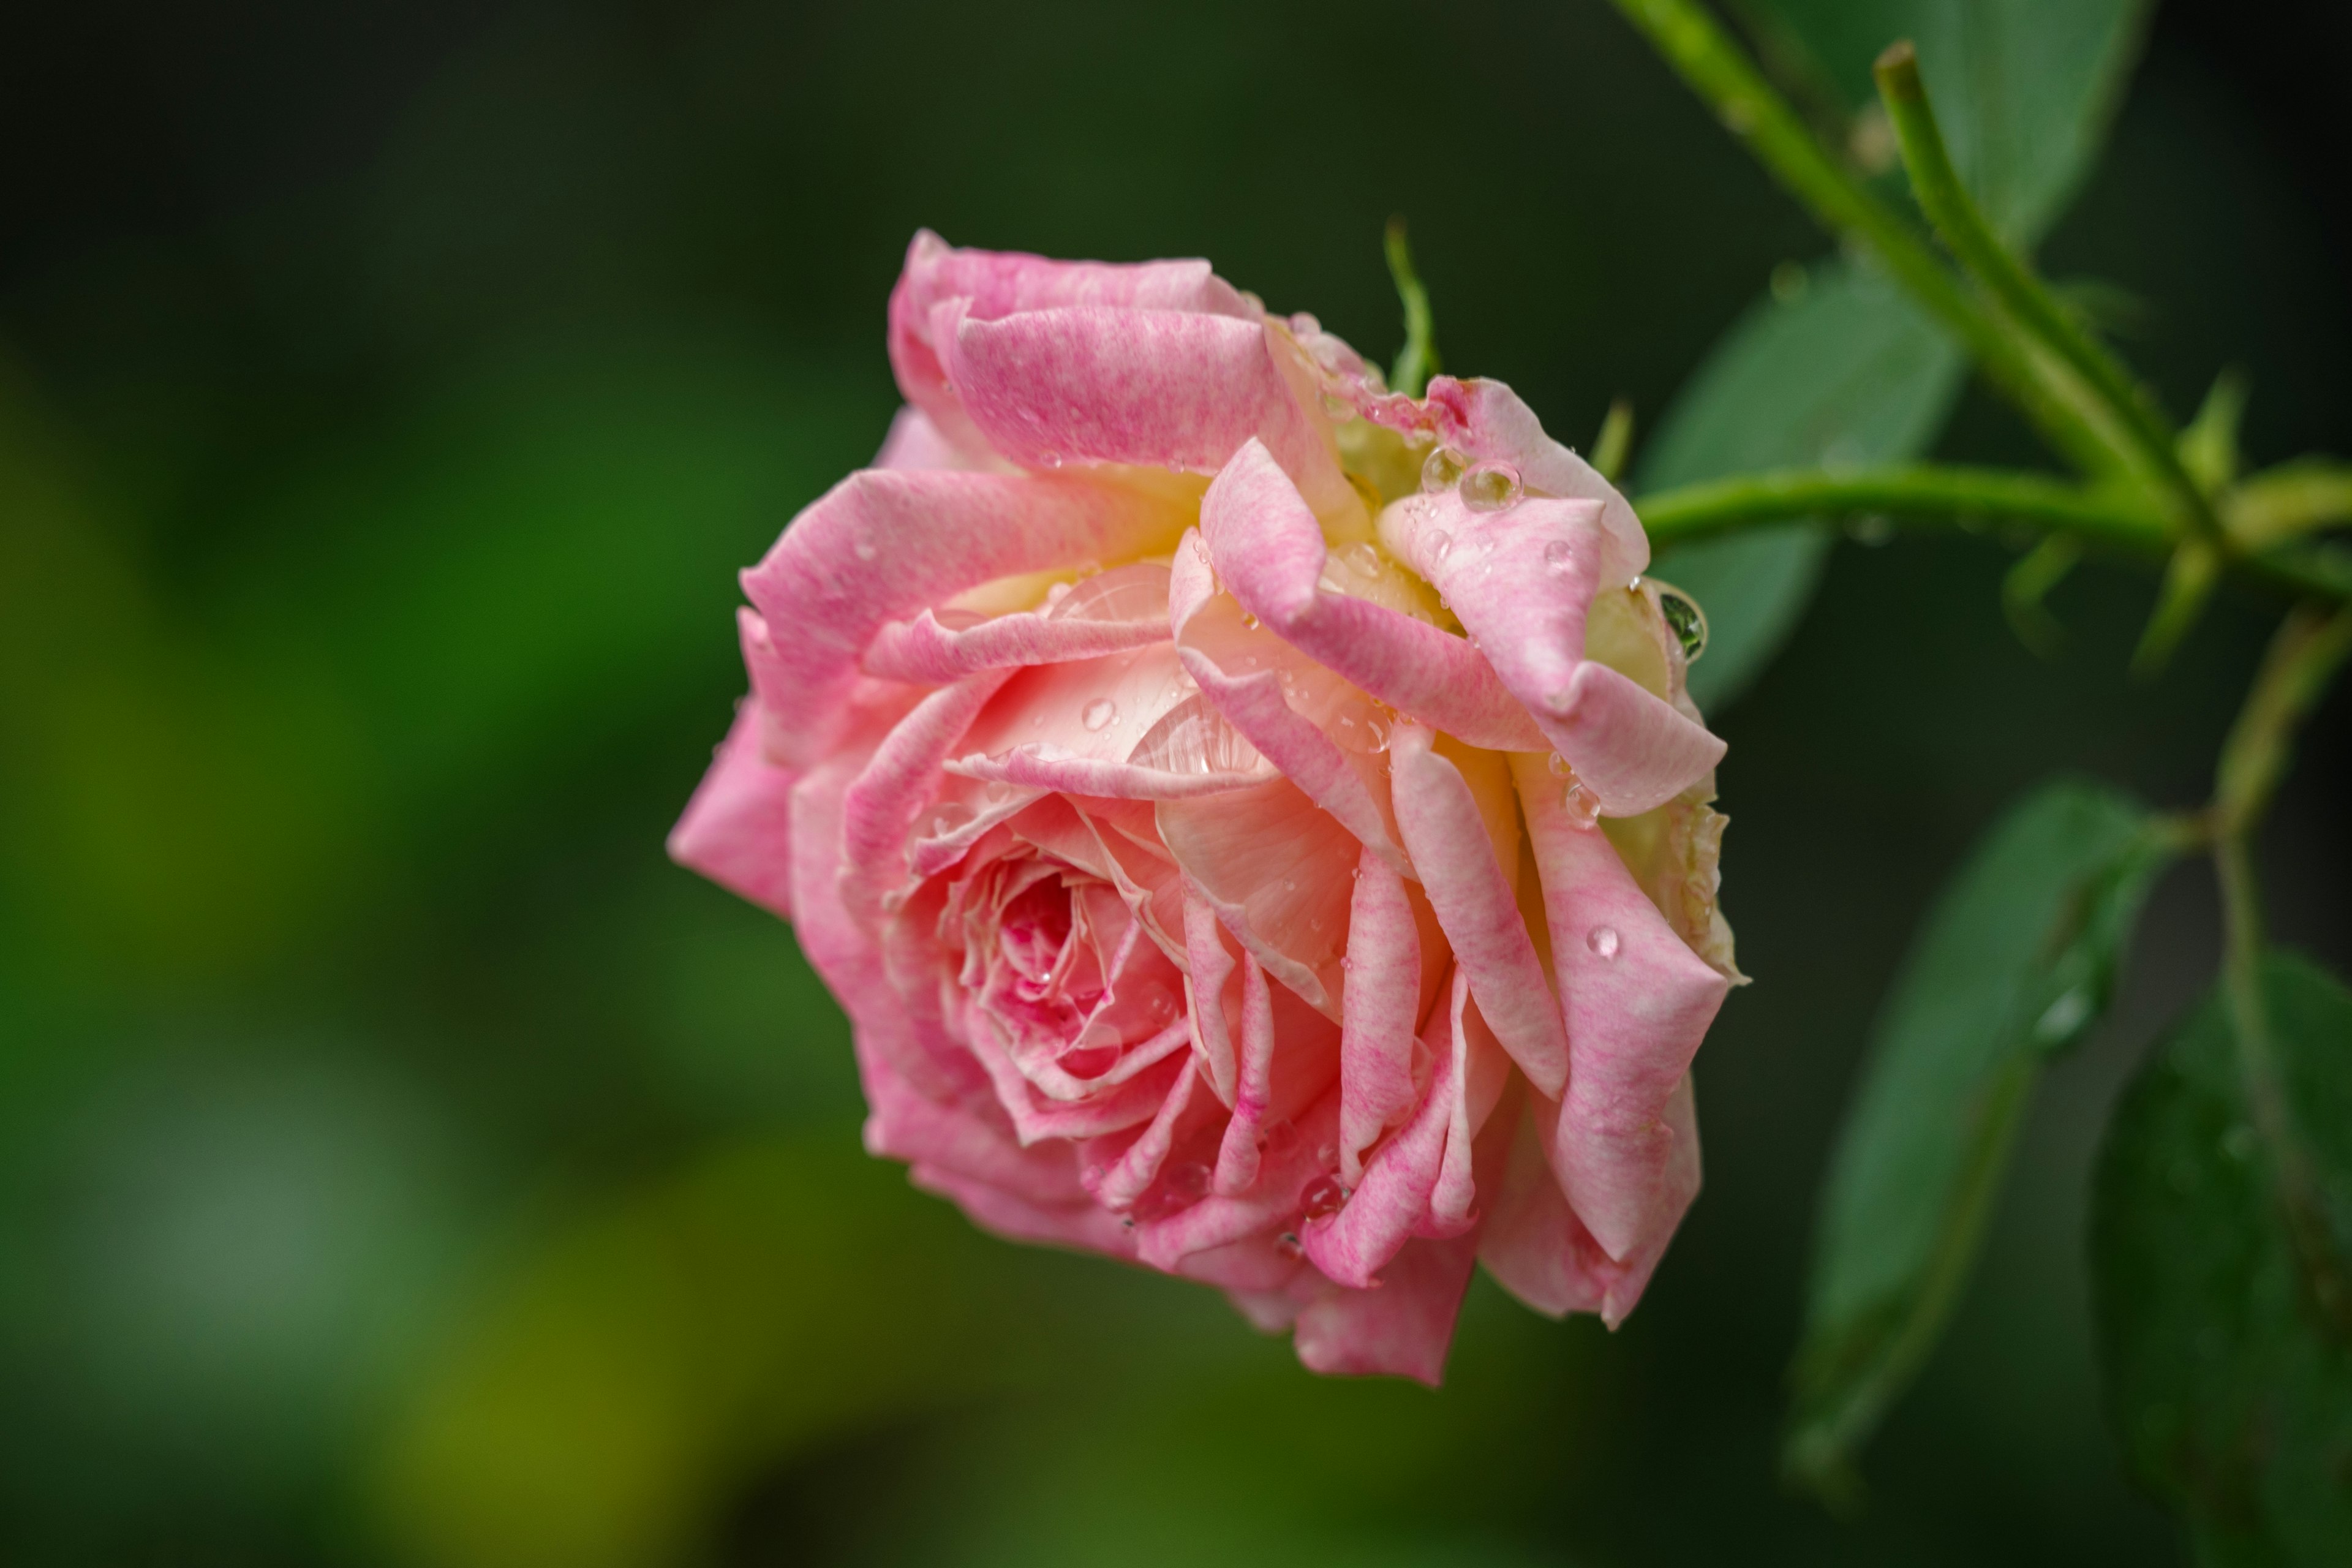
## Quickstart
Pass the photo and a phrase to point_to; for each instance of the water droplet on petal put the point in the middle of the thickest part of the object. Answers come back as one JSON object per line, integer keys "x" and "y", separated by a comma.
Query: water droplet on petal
{"x": 1188, "y": 1181}
{"x": 1491, "y": 487}
{"x": 1687, "y": 620}
{"x": 862, "y": 546}
{"x": 1558, "y": 556}
{"x": 1582, "y": 806}
{"x": 1439, "y": 545}
{"x": 1559, "y": 767}
{"x": 1097, "y": 715}
{"x": 1322, "y": 1197}
{"x": 1442, "y": 469}
{"x": 1602, "y": 941}
{"x": 1287, "y": 1246}
{"x": 1362, "y": 559}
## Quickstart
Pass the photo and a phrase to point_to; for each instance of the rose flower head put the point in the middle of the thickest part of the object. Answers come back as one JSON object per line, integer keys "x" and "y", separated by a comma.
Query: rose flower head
{"x": 1253, "y": 819}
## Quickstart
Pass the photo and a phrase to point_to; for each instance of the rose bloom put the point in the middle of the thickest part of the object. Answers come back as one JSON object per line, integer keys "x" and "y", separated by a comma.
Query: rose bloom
{"x": 1254, "y": 820}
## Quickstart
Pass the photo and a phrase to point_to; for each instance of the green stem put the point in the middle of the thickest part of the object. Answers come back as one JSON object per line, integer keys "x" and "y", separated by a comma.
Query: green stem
{"x": 1954, "y": 213}
{"x": 1941, "y": 494}
{"x": 2303, "y": 659}
{"x": 1720, "y": 73}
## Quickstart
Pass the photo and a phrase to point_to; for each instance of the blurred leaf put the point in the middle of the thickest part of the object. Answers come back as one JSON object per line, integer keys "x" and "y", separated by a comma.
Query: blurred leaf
{"x": 646, "y": 1360}
{"x": 2023, "y": 88}
{"x": 2229, "y": 1392}
{"x": 1845, "y": 372}
{"x": 1848, "y": 371}
{"x": 2017, "y": 960}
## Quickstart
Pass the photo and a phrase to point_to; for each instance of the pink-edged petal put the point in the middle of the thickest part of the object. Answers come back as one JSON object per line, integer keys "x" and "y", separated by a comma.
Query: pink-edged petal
{"x": 1423, "y": 1181}
{"x": 1148, "y": 388}
{"x": 1256, "y": 706}
{"x": 1276, "y": 868}
{"x": 1080, "y": 1225}
{"x": 883, "y": 544}
{"x": 1117, "y": 1185}
{"x": 736, "y": 829}
{"x": 1037, "y": 1118}
{"x": 1522, "y": 581}
{"x": 1402, "y": 1329}
{"x": 916, "y": 442}
{"x": 1237, "y": 1155}
{"x": 881, "y": 805}
{"x": 1487, "y": 422}
{"x": 1381, "y": 1013}
{"x": 970, "y": 1140}
{"x": 999, "y": 283}
{"x": 1638, "y": 1002}
{"x": 1124, "y": 608}
{"x": 1268, "y": 550}
{"x": 1476, "y": 905}
{"x": 1210, "y": 965}
{"x": 1270, "y": 1204}
{"x": 1540, "y": 1251}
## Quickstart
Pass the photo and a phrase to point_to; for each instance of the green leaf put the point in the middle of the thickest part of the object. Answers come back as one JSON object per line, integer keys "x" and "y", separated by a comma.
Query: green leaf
{"x": 2231, "y": 1392}
{"x": 1846, "y": 372}
{"x": 1851, "y": 372}
{"x": 2024, "y": 88}
{"x": 2017, "y": 961}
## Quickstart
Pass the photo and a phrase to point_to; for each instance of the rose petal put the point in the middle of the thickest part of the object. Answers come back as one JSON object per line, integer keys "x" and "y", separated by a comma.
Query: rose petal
{"x": 1237, "y": 1155}
{"x": 1638, "y": 1002}
{"x": 1158, "y": 389}
{"x": 883, "y": 544}
{"x": 1381, "y": 1013}
{"x": 736, "y": 829}
{"x": 1269, "y": 553}
{"x": 1449, "y": 841}
{"x": 1402, "y": 1329}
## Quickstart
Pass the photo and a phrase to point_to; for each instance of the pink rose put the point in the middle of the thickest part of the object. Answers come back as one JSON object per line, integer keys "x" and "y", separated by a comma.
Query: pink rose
{"x": 1254, "y": 820}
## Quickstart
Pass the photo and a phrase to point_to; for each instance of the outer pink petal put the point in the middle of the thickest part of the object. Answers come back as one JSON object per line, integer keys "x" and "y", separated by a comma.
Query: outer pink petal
{"x": 737, "y": 830}
{"x": 1381, "y": 1013}
{"x": 1539, "y": 1251}
{"x": 997, "y": 283}
{"x": 1402, "y": 1329}
{"x": 1270, "y": 1204}
{"x": 1638, "y": 1001}
{"x": 1085, "y": 624}
{"x": 1269, "y": 553}
{"x": 1476, "y": 905}
{"x": 1392, "y": 1204}
{"x": 1522, "y": 581}
{"x": 1487, "y": 421}
{"x": 1237, "y": 1155}
{"x": 1119, "y": 1185}
{"x": 897, "y": 781}
{"x": 1257, "y": 708}
{"x": 1080, "y": 1225}
{"x": 881, "y": 545}
{"x": 915, "y": 442}
{"x": 1141, "y": 387}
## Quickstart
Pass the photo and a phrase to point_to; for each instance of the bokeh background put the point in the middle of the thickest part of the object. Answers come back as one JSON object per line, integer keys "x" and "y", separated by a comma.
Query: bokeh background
{"x": 401, "y": 1163}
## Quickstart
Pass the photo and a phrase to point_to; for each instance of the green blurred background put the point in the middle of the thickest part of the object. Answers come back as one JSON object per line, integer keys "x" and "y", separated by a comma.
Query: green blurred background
{"x": 401, "y": 1163}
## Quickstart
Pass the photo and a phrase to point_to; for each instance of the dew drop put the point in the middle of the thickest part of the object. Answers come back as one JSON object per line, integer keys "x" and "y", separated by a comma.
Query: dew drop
{"x": 1188, "y": 1181}
{"x": 1439, "y": 546}
{"x": 862, "y": 547}
{"x": 1558, "y": 556}
{"x": 1688, "y": 621}
{"x": 1582, "y": 806}
{"x": 1491, "y": 487}
{"x": 1559, "y": 767}
{"x": 1287, "y": 1246}
{"x": 1097, "y": 715}
{"x": 1322, "y": 1197}
{"x": 1249, "y": 619}
{"x": 1442, "y": 470}
{"x": 1602, "y": 941}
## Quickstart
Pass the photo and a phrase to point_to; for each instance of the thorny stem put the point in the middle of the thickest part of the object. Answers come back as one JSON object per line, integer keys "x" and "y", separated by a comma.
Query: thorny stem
{"x": 1715, "y": 66}
{"x": 2304, "y": 657}
{"x": 1961, "y": 496}
{"x": 1956, "y": 219}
